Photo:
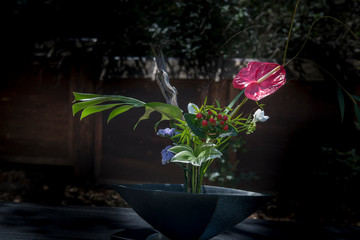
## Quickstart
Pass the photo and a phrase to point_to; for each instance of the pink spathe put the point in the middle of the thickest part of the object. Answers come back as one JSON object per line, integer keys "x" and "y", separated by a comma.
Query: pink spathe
{"x": 260, "y": 79}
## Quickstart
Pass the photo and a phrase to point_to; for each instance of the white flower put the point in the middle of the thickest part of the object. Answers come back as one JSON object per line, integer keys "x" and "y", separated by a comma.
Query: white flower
{"x": 192, "y": 108}
{"x": 213, "y": 176}
{"x": 229, "y": 177}
{"x": 259, "y": 116}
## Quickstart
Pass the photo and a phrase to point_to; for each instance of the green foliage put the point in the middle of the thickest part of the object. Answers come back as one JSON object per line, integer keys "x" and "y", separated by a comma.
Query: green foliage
{"x": 200, "y": 155}
{"x": 93, "y": 103}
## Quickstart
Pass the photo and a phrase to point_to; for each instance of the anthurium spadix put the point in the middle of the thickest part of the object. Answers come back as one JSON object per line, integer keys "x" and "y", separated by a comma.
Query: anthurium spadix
{"x": 260, "y": 79}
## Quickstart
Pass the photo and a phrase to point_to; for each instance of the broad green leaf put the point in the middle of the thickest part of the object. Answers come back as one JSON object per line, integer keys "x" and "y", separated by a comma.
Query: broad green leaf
{"x": 341, "y": 102}
{"x": 204, "y": 147}
{"x": 195, "y": 126}
{"x": 167, "y": 111}
{"x": 118, "y": 111}
{"x": 170, "y": 111}
{"x": 207, "y": 152}
{"x": 185, "y": 157}
{"x": 146, "y": 115}
{"x": 179, "y": 148}
{"x": 76, "y": 107}
{"x": 94, "y": 109}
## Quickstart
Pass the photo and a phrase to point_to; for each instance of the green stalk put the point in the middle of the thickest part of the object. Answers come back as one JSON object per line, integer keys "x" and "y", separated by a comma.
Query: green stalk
{"x": 310, "y": 29}
{"x": 186, "y": 175}
{"x": 289, "y": 34}
{"x": 193, "y": 183}
{"x": 238, "y": 107}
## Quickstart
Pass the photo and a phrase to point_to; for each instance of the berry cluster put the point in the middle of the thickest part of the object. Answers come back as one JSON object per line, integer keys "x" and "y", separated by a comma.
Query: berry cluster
{"x": 214, "y": 123}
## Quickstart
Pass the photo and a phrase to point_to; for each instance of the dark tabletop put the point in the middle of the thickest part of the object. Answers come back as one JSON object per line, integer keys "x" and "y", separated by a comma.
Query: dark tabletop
{"x": 32, "y": 221}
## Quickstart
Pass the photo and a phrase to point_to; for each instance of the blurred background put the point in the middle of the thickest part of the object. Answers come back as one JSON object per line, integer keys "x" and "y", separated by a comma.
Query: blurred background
{"x": 306, "y": 154}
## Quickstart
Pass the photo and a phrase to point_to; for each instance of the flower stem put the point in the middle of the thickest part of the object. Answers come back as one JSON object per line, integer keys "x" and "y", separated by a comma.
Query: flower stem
{"x": 238, "y": 107}
{"x": 289, "y": 34}
{"x": 186, "y": 175}
{"x": 193, "y": 181}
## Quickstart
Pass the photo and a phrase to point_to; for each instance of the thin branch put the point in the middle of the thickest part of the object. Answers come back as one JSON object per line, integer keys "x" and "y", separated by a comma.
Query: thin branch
{"x": 162, "y": 78}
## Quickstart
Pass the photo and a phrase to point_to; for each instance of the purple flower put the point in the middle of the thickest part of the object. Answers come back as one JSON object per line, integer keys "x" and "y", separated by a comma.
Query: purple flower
{"x": 166, "y": 155}
{"x": 167, "y": 132}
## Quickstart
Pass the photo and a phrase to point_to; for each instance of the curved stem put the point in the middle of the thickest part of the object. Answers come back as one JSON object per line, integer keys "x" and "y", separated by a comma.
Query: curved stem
{"x": 310, "y": 29}
{"x": 289, "y": 34}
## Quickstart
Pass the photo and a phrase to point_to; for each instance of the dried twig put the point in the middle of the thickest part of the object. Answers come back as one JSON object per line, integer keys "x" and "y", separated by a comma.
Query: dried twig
{"x": 162, "y": 78}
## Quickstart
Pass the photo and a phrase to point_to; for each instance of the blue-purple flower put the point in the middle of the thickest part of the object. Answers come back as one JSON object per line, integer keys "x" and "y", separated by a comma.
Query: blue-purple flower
{"x": 167, "y": 132}
{"x": 166, "y": 155}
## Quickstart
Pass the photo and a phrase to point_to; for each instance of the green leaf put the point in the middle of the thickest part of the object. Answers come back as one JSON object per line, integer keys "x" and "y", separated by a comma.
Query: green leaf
{"x": 341, "y": 102}
{"x": 231, "y": 104}
{"x": 76, "y": 107}
{"x": 207, "y": 152}
{"x": 118, "y": 111}
{"x": 231, "y": 132}
{"x": 81, "y": 96}
{"x": 217, "y": 103}
{"x": 169, "y": 111}
{"x": 195, "y": 127}
{"x": 357, "y": 98}
{"x": 145, "y": 116}
{"x": 185, "y": 157}
{"x": 210, "y": 150}
{"x": 94, "y": 109}
{"x": 89, "y": 102}
{"x": 180, "y": 148}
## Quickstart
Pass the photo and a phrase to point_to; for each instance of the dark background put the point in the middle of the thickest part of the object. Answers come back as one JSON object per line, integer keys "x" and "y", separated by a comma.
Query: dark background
{"x": 305, "y": 154}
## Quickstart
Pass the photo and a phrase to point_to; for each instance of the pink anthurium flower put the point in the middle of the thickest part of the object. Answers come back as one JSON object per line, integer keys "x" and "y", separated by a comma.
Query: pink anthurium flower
{"x": 260, "y": 79}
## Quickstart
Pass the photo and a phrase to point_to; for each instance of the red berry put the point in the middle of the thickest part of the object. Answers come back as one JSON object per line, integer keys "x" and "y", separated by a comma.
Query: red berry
{"x": 222, "y": 122}
{"x": 225, "y": 118}
{"x": 199, "y": 116}
{"x": 212, "y": 120}
{"x": 226, "y": 127}
{"x": 204, "y": 123}
{"x": 219, "y": 116}
{"x": 209, "y": 112}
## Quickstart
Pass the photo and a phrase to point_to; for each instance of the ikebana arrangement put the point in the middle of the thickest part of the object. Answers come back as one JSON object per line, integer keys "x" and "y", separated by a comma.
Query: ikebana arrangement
{"x": 198, "y": 136}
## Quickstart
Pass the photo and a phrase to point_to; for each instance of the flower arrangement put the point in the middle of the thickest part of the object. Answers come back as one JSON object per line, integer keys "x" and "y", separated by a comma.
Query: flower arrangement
{"x": 198, "y": 136}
